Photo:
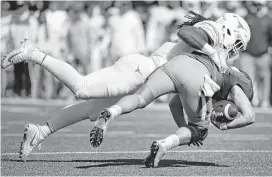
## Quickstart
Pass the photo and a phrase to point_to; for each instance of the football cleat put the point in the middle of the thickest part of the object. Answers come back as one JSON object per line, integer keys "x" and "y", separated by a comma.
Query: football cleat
{"x": 155, "y": 155}
{"x": 100, "y": 127}
{"x": 19, "y": 54}
{"x": 32, "y": 138}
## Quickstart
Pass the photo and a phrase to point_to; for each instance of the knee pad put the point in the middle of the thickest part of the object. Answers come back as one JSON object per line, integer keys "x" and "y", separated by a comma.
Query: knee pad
{"x": 198, "y": 133}
{"x": 80, "y": 90}
{"x": 82, "y": 95}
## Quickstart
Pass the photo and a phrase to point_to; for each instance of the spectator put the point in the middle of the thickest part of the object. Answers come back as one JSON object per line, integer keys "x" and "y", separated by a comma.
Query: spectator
{"x": 127, "y": 32}
{"x": 5, "y": 43}
{"x": 20, "y": 29}
{"x": 160, "y": 18}
{"x": 34, "y": 70}
{"x": 78, "y": 38}
{"x": 96, "y": 39}
{"x": 41, "y": 75}
{"x": 57, "y": 26}
{"x": 269, "y": 13}
{"x": 97, "y": 33}
{"x": 256, "y": 60}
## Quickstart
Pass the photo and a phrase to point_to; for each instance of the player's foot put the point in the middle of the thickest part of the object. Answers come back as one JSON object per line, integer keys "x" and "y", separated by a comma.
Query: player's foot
{"x": 19, "y": 54}
{"x": 155, "y": 155}
{"x": 99, "y": 129}
{"x": 32, "y": 138}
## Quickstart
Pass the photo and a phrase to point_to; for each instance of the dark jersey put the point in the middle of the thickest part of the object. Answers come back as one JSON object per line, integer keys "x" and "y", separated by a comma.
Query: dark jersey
{"x": 231, "y": 78}
{"x": 226, "y": 80}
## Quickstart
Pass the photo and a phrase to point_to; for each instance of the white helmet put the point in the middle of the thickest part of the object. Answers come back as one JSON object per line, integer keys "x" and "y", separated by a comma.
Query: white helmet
{"x": 236, "y": 34}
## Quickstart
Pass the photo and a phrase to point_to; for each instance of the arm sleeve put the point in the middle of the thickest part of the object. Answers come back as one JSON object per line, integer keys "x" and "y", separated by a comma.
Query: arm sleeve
{"x": 241, "y": 80}
{"x": 194, "y": 36}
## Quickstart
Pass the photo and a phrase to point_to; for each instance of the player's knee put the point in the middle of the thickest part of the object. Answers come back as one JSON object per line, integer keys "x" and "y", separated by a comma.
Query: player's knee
{"x": 198, "y": 133}
{"x": 145, "y": 95}
{"x": 141, "y": 101}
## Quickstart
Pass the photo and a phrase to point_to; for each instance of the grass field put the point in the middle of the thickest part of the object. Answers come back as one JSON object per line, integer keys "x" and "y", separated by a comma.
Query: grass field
{"x": 241, "y": 152}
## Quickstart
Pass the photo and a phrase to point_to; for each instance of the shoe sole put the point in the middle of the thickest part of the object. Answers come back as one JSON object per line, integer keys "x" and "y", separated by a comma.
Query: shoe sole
{"x": 96, "y": 136}
{"x": 149, "y": 161}
{"x": 21, "y": 155}
{"x": 97, "y": 133}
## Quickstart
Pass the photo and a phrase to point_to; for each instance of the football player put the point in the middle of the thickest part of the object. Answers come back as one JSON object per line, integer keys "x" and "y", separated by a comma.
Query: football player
{"x": 120, "y": 79}
{"x": 197, "y": 80}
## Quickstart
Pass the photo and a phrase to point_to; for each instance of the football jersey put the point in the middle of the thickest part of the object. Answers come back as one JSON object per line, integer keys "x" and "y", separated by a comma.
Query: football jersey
{"x": 231, "y": 78}
{"x": 170, "y": 50}
{"x": 214, "y": 30}
{"x": 225, "y": 80}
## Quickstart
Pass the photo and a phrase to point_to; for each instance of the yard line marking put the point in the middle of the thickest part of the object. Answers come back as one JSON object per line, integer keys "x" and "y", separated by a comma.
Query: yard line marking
{"x": 137, "y": 152}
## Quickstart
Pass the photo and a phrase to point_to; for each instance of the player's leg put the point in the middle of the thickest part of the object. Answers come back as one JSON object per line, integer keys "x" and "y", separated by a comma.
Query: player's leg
{"x": 157, "y": 84}
{"x": 67, "y": 116}
{"x": 124, "y": 77}
{"x": 195, "y": 106}
{"x": 121, "y": 78}
{"x": 27, "y": 51}
{"x": 177, "y": 112}
{"x": 72, "y": 114}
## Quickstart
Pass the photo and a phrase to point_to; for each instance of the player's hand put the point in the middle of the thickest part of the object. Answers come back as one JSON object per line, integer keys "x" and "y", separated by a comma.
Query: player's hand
{"x": 220, "y": 62}
{"x": 217, "y": 124}
{"x": 213, "y": 120}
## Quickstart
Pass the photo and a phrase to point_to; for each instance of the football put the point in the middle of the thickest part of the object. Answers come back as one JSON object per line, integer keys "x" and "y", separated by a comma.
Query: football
{"x": 226, "y": 111}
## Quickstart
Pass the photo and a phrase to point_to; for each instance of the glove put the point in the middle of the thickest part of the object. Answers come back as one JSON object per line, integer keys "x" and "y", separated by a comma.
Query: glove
{"x": 196, "y": 143}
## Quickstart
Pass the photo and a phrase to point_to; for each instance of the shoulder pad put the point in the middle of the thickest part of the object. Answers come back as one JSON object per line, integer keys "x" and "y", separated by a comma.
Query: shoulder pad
{"x": 213, "y": 29}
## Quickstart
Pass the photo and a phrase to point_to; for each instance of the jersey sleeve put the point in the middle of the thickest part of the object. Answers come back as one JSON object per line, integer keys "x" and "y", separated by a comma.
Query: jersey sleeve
{"x": 240, "y": 79}
{"x": 212, "y": 29}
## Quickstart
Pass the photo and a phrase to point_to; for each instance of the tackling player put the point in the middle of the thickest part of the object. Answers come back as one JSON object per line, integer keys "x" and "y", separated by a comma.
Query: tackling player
{"x": 197, "y": 80}
{"x": 120, "y": 79}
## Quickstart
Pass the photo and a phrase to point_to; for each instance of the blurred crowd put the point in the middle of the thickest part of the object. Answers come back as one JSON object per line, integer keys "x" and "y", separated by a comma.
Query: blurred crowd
{"x": 91, "y": 35}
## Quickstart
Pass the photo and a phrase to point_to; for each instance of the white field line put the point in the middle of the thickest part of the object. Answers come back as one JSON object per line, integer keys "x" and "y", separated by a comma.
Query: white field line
{"x": 139, "y": 152}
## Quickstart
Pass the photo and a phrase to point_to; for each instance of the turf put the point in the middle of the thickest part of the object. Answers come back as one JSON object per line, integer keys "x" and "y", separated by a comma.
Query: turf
{"x": 241, "y": 152}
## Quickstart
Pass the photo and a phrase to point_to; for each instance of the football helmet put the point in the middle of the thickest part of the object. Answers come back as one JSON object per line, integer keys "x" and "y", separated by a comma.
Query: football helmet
{"x": 236, "y": 34}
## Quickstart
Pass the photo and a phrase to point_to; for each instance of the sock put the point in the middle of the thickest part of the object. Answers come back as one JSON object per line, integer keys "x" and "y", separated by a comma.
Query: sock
{"x": 170, "y": 142}
{"x": 37, "y": 57}
{"x": 45, "y": 130}
{"x": 115, "y": 111}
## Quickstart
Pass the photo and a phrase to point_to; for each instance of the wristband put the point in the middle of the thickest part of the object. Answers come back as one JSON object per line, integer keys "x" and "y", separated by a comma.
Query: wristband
{"x": 223, "y": 126}
{"x": 45, "y": 55}
{"x": 208, "y": 49}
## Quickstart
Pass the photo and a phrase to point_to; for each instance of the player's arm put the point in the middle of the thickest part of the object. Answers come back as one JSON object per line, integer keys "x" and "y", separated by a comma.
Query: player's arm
{"x": 246, "y": 114}
{"x": 197, "y": 38}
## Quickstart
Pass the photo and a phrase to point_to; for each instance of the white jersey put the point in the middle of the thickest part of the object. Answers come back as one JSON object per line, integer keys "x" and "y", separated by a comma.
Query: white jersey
{"x": 214, "y": 30}
{"x": 169, "y": 49}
